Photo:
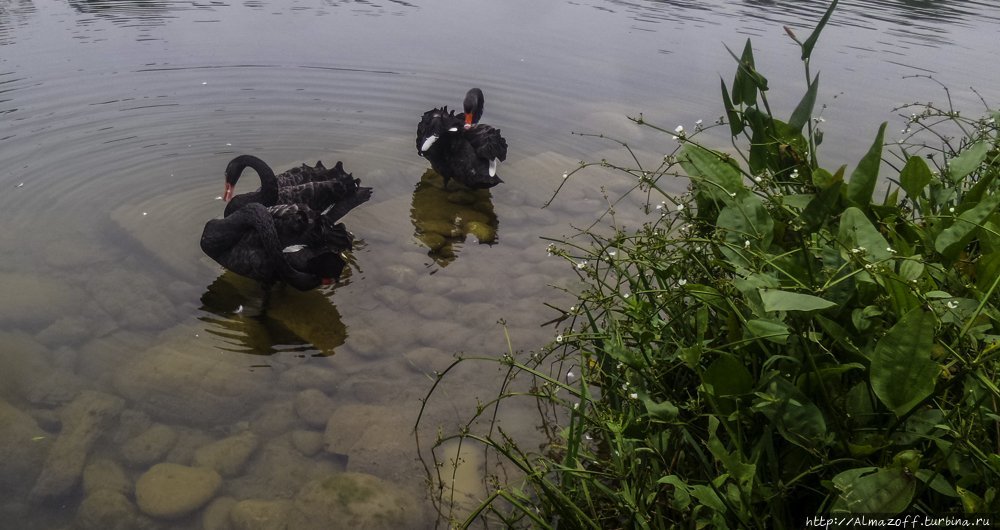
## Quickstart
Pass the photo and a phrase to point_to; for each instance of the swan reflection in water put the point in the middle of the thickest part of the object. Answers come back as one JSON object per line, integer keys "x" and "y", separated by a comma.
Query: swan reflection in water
{"x": 250, "y": 319}
{"x": 444, "y": 218}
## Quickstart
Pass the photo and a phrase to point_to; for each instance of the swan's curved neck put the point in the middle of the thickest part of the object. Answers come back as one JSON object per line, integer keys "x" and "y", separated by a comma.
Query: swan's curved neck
{"x": 268, "y": 182}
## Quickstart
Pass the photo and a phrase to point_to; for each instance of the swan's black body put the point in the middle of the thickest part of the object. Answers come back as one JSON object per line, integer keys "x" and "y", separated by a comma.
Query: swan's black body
{"x": 462, "y": 149}
{"x": 292, "y": 243}
{"x": 317, "y": 187}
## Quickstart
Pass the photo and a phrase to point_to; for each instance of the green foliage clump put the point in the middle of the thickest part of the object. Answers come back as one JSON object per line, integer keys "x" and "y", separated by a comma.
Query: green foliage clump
{"x": 781, "y": 343}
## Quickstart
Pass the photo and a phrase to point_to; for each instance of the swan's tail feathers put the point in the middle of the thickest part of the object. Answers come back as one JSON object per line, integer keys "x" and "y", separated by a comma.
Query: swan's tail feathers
{"x": 340, "y": 208}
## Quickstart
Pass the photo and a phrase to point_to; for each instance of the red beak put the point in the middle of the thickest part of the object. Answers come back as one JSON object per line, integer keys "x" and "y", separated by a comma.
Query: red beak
{"x": 468, "y": 120}
{"x": 229, "y": 192}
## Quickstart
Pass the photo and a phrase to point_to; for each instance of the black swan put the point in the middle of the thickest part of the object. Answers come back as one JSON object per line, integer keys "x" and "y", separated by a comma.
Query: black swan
{"x": 291, "y": 243}
{"x": 317, "y": 187}
{"x": 462, "y": 149}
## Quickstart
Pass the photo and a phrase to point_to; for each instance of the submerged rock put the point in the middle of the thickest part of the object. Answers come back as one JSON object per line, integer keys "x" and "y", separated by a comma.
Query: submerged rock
{"x": 255, "y": 514}
{"x": 83, "y": 421}
{"x": 35, "y": 301}
{"x": 171, "y": 491}
{"x": 106, "y": 510}
{"x": 188, "y": 379}
{"x": 354, "y": 500}
{"x": 314, "y": 407}
{"x": 22, "y": 448}
{"x": 149, "y": 446}
{"x": 105, "y": 474}
{"x": 216, "y": 514}
{"x": 227, "y": 456}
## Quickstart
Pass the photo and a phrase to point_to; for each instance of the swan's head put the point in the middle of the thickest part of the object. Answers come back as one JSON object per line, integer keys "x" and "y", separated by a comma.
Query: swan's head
{"x": 473, "y": 106}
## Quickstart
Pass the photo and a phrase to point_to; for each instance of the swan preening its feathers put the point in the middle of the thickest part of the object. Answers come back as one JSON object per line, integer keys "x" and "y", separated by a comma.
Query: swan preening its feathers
{"x": 288, "y": 230}
{"x": 459, "y": 147}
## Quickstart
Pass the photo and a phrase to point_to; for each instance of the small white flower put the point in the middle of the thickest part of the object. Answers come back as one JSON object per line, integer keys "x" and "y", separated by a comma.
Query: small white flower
{"x": 679, "y": 129}
{"x": 661, "y": 205}
{"x": 698, "y": 122}
{"x": 682, "y": 282}
{"x": 582, "y": 265}
{"x": 757, "y": 178}
{"x": 951, "y": 210}
{"x": 746, "y": 244}
{"x": 627, "y": 295}
{"x": 570, "y": 375}
{"x": 565, "y": 175}
{"x": 576, "y": 406}
{"x": 890, "y": 250}
{"x": 619, "y": 366}
{"x": 795, "y": 173}
{"x": 633, "y": 395}
{"x": 733, "y": 194}
{"x": 952, "y": 304}
{"x": 680, "y": 207}
{"x": 612, "y": 253}
{"x": 559, "y": 338}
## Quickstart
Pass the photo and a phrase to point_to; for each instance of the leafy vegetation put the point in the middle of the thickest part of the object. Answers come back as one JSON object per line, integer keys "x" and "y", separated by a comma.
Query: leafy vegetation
{"x": 781, "y": 342}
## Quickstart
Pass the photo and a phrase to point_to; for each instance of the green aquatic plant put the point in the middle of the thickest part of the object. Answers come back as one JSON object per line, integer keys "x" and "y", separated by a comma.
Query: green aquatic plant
{"x": 784, "y": 341}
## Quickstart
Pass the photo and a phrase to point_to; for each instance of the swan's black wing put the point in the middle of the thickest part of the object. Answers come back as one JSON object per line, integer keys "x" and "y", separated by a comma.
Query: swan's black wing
{"x": 247, "y": 243}
{"x": 436, "y": 123}
{"x": 487, "y": 142}
{"x": 338, "y": 186}
{"x": 302, "y": 174}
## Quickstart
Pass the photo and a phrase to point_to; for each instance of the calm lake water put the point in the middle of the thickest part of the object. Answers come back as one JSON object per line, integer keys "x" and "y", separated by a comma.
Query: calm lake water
{"x": 122, "y": 347}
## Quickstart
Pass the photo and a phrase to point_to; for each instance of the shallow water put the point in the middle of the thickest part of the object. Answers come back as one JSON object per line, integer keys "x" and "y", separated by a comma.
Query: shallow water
{"x": 117, "y": 119}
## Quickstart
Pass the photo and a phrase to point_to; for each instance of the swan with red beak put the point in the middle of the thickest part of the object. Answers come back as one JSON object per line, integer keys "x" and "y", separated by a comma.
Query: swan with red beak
{"x": 459, "y": 147}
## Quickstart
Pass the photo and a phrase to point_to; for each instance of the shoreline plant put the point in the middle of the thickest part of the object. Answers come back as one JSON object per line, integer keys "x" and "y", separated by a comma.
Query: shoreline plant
{"x": 784, "y": 340}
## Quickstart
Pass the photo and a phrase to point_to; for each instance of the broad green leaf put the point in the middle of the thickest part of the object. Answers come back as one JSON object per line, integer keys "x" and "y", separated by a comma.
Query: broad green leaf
{"x": 682, "y": 495}
{"x": 747, "y": 226}
{"x": 822, "y": 208}
{"x": 727, "y": 376}
{"x": 798, "y": 419}
{"x": 901, "y": 297}
{"x": 987, "y": 270}
{"x": 862, "y": 184}
{"x": 735, "y": 120}
{"x": 912, "y": 268}
{"x": 971, "y": 502}
{"x": 769, "y": 329}
{"x": 823, "y": 179}
{"x": 938, "y": 483}
{"x": 715, "y": 175}
{"x": 950, "y": 242}
{"x": 967, "y": 161}
{"x": 708, "y": 295}
{"x": 803, "y": 111}
{"x": 915, "y": 176}
{"x": 858, "y": 235}
{"x": 708, "y": 497}
{"x": 843, "y": 480}
{"x": 887, "y": 491}
{"x": 810, "y": 43}
{"x": 902, "y": 372}
{"x": 733, "y": 462}
{"x": 664, "y": 411}
{"x": 777, "y": 300}
{"x": 748, "y": 80}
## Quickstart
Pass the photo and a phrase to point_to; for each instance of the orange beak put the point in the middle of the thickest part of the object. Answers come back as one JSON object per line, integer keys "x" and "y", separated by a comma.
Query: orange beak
{"x": 228, "y": 193}
{"x": 468, "y": 120}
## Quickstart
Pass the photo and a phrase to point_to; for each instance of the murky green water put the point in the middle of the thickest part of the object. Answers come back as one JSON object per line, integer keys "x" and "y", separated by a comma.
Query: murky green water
{"x": 122, "y": 348}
